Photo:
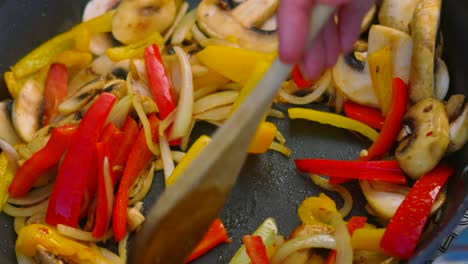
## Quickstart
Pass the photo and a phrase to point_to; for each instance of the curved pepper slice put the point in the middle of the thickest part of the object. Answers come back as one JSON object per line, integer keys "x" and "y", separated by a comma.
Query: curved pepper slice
{"x": 405, "y": 227}
{"x": 365, "y": 114}
{"x": 55, "y": 91}
{"x": 42, "y": 160}
{"x": 74, "y": 179}
{"x": 255, "y": 249}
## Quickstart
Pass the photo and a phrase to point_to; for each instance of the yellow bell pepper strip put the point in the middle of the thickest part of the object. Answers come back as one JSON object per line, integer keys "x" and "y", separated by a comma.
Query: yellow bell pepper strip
{"x": 310, "y": 208}
{"x": 194, "y": 150}
{"x": 33, "y": 235}
{"x": 11, "y": 83}
{"x": 356, "y": 222}
{"x": 393, "y": 121}
{"x": 82, "y": 40}
{"x": 381, "y": 72}
{"x": 407, "y": 224}
{"x": 134, "y": 50}
{"x": 43, "y": 55}
{"x": 263, "y": 138}
{"x": 72, "y": 58}
{"x": 367, "y": 238}
{"x": 235, "y": 64}
{"x": 334, "y": 120}
{"x": 209, "y": 79}
{"x": 6, "y": 176}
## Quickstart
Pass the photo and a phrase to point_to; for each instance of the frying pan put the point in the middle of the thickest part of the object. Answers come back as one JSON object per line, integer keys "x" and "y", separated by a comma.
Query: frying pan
{"x": 269, "y": 185}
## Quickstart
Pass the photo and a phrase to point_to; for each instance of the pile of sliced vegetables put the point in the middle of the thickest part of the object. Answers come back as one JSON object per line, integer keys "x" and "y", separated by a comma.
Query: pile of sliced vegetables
{"x": 91, "y": 121}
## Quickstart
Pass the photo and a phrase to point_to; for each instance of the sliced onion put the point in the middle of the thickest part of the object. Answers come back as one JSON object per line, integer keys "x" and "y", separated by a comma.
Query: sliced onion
{"x": 280, "y": 137}
{"x": 198, "y": 70}
{"x": 344, "y": 251}
{"x": 185, "y": 25}
{"x": 199, "y": 93}
{"x": 198, "y": 35}
{"x": 319, "y": 88}
{"x": 345, "y": 194}
{"x": 166, "y": 156}
{"x": 218, "y": 42}
{"x": 146, "y": 181}
{"x": 109, "y": 189}
{"x": 280, "y": 148}
{"x": 177, "y": 155}
{"x": 186, "y": 138}
{"x": 120, "y": 110}
{"x": 25, "y": 211}
{"x": 185, "y": 105}
{"x": 38, "y": 218}
{"x": 276, "y": 113}
{"x": 123, "y": 249}
{"x": 215, "y": 114}
{"x": 33, "y": 197}
{"x": 18, "y": 223}
{"x": 182, "y": 10}
{"x": 214, "y": 100}
{"x": 134, "y": 218}
{"x": 109, "y": 255}
{"x": 339, "y": 101}
{"x": 22, "y": 259}
{"x": 299, "y": 243}
{"x": 146, "y": 126}
{"x": 137, "y": 86}
{"x": 11, "y": 153}
{"x": 81, "y": 235}
{"x": 158, "y": 165}
{"x": 166, "y": 123}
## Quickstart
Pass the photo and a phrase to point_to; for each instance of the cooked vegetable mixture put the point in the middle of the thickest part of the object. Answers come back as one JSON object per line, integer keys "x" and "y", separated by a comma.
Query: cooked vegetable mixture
{"x": 97, "y": 110}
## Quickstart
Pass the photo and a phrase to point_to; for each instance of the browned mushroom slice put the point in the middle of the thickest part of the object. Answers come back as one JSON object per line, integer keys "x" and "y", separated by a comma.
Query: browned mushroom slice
{"x": 427, "y": 127}
{"x": 425, "y": 27}
{"x": 136, "y": 19}
{"x": 218, "y": 22}
{"x": 27, "y": 108}
{"x": 7, "y": 131}
{"x": 397, "y": 14}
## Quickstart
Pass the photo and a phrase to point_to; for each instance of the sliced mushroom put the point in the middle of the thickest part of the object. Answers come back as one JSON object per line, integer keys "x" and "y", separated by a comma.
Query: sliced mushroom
{"x": 136, "y": 19}
{"x": 442, "y": 79}
{"x": 428, "y": 138}
{"x": 254, "y": 12}
{"x": 99, "y": 42}
{"x": 101, "y": 66}
{"x": 78, "y": 100}
{"x": 397, "y": 14}
{"x": 220, "y": 23}
{"x": 352, "y": 77}
{"x": 43, "y": 256}
{"x": 117, "y": 87}
{"x": 459, "y": 126}
{"x": 425, "y": 27}
{"x": 7, "y": 131}
{"x": 27, "y": 109}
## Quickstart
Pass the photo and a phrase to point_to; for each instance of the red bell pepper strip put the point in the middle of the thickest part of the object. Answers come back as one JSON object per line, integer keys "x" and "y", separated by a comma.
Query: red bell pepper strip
{"x": 299, "y": 79}
{"x": 387, "y": 171}
{"x": 354, "y": 223}
{"x": 159, "y": 83}
{"x": 130, "y": 129}
{"x": 74, "y": 179}
{"x": 255, "y": 249}
{"x": 105, "y": 191}
{"x": 393, "y": 121}
{"x": 405, "y": 227}
{"x": 138, "y": 159}
{"x": 365, "y": 114}
{"x": 114, "y": 139}
{"x": 215, "y": 235}
{"x": 55, "y": 90}
{"x": 42, "y": 160}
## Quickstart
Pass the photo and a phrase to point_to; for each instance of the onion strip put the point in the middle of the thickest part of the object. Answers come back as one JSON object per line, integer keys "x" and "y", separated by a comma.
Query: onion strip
{"x": 280, "y": 148}
{"x": 276, "y": 113}
{"x": 198, "y": 35}
{"x": 215, "y": 114}
{"x": 280, "y": 137}
{"x": 185, "y": 25}
{"x": 81, "y": 235}
{"x": 186, "y": 138}
{"x": 119, "y": 111}
{"x": 185, "y": 104}
{"x": 25, "y": 211}
{"x": 146, "y": 125}
{"x": 109, "y": 189}
{"x": 145, "y": 187}
{"x": 166, "y": 123}
{"x": 345, "y": 194}
{"x": 319, "y": 88}
{"x": 123, "y": 249}
{"x": 199, "y": 93}
{"x": 11, "y": 153}
{"x": 109, "y": 255}
{"x": 18, "y": 223}
{"x": 34, "y": 197}
{"x": 182, "y": 10}
{"x": 306, "y": 242}
{"x": 177, "y": 155}
{"x": 214, "y": 100}
{"x": 166, "y": 156}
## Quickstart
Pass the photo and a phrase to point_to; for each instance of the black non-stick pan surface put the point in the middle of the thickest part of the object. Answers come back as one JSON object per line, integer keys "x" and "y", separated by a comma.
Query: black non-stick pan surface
{"x": 269, "y": 185}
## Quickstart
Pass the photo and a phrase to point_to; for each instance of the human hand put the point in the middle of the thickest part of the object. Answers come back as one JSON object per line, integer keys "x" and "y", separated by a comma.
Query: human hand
{"x": 335, "y": 38}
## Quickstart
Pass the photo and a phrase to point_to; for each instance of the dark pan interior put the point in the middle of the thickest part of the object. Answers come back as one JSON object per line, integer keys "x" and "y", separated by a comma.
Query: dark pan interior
{"x": 269, "y": 185}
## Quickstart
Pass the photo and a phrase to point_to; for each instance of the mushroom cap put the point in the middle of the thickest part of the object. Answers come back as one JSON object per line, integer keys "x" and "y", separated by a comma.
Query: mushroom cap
{"x": 425, "y": 145}
{"x": 425, "y": 27}
{"x": 136, "y": 19}
{"x": 397, "y": 14}
{"x": 219, "y": 23}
